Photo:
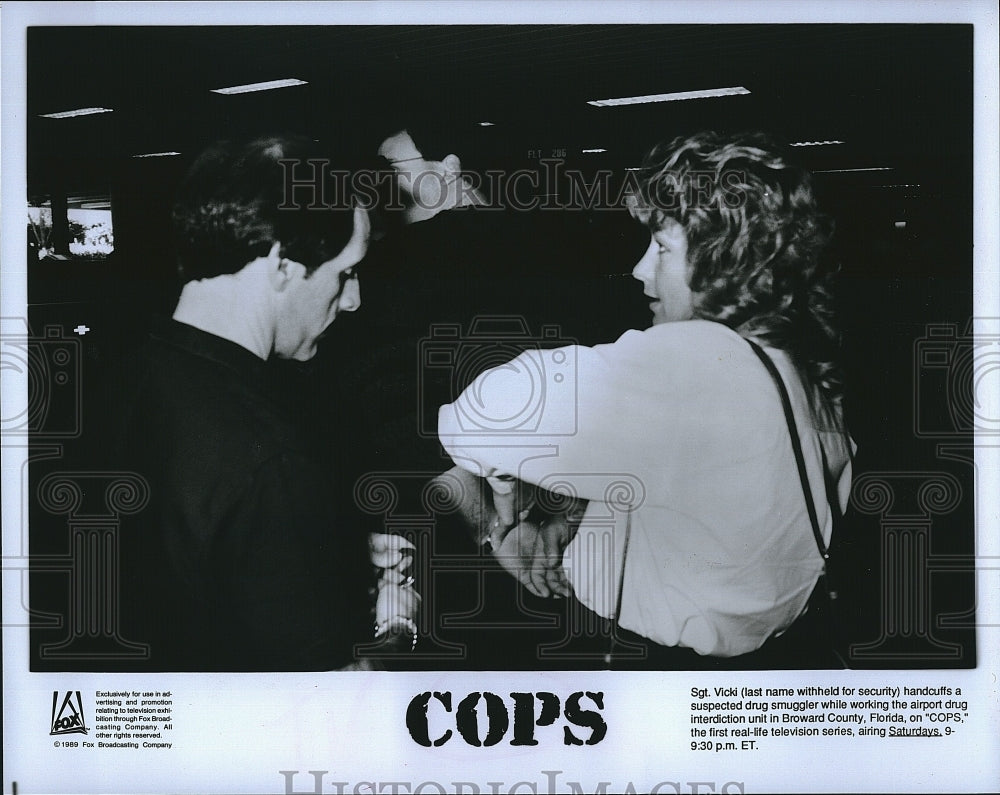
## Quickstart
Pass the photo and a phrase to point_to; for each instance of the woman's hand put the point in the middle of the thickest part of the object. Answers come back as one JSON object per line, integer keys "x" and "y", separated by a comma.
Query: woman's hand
{"x": 547, "y": 573}
{"x": 515, "y": 550}
{"x": 533, "y": 554}
{"x": 530, "y": 551}
{"x": 513, "y": 499}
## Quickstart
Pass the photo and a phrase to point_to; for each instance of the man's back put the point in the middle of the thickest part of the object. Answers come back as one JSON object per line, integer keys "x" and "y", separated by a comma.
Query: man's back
{"x": 240, "y": 562}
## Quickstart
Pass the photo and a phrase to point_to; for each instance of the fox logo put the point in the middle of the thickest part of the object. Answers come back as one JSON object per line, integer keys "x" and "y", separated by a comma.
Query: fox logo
{"x": 68, "y": 718}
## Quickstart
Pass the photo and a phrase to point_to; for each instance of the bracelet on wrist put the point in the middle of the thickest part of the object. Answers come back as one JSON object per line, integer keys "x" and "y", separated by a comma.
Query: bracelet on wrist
{"x": 398, "y": 625}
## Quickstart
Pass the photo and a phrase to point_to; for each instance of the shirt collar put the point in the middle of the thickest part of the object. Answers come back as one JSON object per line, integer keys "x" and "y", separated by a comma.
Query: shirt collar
{"x": 208, "y": 346}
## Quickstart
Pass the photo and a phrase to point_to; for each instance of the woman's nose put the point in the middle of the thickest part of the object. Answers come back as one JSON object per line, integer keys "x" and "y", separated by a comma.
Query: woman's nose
{"x": 645, "y": 268}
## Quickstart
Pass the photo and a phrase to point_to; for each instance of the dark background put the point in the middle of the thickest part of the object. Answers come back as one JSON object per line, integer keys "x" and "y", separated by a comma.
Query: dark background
{"x": 899, "y": 96}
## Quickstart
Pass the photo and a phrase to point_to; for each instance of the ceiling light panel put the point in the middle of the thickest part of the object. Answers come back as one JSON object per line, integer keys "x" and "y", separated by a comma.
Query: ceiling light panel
{"x": 69, "y": 114}
{"x": 677, "y": 96}
{"x": 267, "y": 85}
{"x": 849, "y": 170}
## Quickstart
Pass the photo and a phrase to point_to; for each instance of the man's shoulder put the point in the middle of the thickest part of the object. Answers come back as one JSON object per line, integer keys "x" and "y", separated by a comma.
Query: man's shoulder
{"x": 206, "y": 403}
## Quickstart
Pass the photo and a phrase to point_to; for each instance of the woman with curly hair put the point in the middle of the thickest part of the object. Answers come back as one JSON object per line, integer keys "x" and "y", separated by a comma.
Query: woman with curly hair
{"x": 707, "y": 498}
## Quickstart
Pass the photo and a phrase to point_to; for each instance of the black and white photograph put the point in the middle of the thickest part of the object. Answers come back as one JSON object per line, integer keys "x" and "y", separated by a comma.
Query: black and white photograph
{"x": 431, "y": 398}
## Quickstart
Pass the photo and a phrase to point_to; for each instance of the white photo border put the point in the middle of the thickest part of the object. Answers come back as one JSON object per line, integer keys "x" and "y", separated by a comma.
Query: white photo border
{"x": 237, "y": 733}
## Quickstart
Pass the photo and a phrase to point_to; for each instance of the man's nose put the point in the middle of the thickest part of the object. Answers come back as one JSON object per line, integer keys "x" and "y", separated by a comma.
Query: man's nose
{"x": 350, "y": 298}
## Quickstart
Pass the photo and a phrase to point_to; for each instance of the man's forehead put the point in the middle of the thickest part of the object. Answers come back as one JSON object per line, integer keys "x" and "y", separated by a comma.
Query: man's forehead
{"x": 399, "y": 147}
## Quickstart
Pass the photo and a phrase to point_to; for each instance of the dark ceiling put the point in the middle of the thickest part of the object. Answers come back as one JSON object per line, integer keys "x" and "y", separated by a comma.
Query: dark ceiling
{"x": 899, "y": 95}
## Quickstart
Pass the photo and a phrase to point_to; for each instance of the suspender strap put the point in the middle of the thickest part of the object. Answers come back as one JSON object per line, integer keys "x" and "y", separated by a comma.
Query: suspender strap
{"x": 793, "y": 432}
{"x": 616, "y": 618}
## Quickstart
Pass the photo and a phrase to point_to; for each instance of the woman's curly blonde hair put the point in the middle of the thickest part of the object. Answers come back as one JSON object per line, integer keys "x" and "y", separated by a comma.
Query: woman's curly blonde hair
{"x": 756, "y": 243}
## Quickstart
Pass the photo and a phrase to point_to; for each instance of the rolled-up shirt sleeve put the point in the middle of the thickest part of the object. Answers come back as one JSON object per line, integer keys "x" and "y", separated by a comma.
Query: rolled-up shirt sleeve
{"x": 545, "y": 414}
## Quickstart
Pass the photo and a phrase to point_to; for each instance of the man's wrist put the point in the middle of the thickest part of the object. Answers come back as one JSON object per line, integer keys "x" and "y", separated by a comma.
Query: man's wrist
{"x": 397, "y": 629}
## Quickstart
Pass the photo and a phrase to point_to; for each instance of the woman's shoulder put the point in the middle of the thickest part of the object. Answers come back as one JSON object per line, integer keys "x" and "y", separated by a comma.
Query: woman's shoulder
{"x": 706, "y": 331}
{"x": 688, "y": 341}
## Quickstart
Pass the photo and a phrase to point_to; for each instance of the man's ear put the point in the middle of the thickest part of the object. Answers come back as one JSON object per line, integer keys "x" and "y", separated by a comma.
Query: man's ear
{"x": 279, "y": 270}
{"x": 452, "y": 164}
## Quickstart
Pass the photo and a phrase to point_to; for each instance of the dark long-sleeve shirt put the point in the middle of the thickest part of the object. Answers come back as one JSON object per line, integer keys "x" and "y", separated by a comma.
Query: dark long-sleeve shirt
{"x": 241, "y": 562}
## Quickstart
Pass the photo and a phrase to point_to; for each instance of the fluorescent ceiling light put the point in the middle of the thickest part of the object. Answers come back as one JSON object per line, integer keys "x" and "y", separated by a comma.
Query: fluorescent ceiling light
{"x": 816, "y": 143}
{"x": 845, "y": 170}
{"x": 265, "y": 86}
{"x": 486, "y": 124}
{"x": 158, "y": 154}
{"x": 593, "y": 151}
{"x": 69, "y": 114}
{"x": 675, "y": 97}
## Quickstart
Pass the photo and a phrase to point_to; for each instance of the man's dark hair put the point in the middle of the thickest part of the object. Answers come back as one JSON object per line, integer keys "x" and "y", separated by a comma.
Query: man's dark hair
{"x": 238, "y": 199}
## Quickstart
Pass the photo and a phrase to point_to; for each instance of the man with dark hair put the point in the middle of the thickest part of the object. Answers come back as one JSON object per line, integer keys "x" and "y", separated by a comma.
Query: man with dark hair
{"x": 429, "y": 174}
{"x": 445, "y": 300}
{"x": 236, "y": 200}
{"x": 447, "y": 265}
{"x": 242, "y": 562}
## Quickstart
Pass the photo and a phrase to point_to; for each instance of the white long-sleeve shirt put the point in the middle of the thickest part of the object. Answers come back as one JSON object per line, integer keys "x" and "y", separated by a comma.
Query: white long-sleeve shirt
{"x": 677, "y": 437}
